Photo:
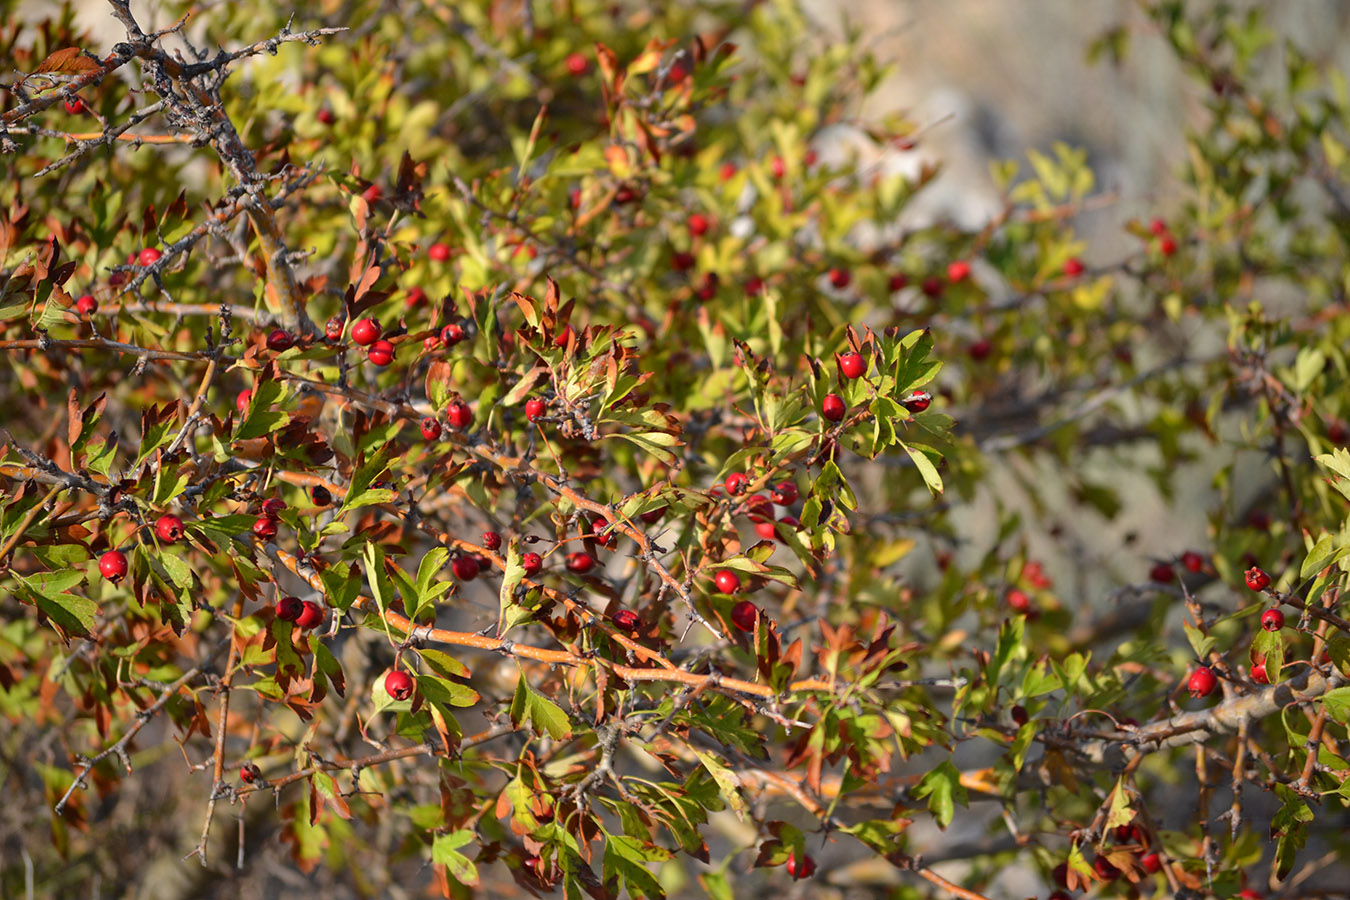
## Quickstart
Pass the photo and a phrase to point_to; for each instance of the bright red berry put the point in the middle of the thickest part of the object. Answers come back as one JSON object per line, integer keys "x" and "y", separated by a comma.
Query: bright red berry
{"x": 728, "y": 171}
{"x": 918, "y": 401}
{"x": 273, "y": 506}
{"x": 736, "y": 483}
{"x": 398, "y": 684}
{"x": 438, "y": 252}
{"x": 149, "y": 256}
{"x": 452, "y": 334}
{"x": 958, "y": 271}
{"x": 625, "y": 619}
{"x": 310, "y": 617}
{"x": 1162, "y": 573}
{"x": 415, "y": 298}
{"x": 1151, "y": 862}
{"x": 1272, "y": 620}
{"x": 86, "y": 305}
{"x": 332, "y": 329}
{"x": 852, "y": 364}
{"x": 279, "y": 339}
{"x": 1018, "y": 601}
{"x": 766, "y": 528}
{"x": 532, "y": 563}
{"x": 1259, "y": 674}
{"x": 1168, "y": 245}
{"x": 1158, "y": 227}
{"x": 169, "y": 528}
{"x": 698, "y": 224}
{"x": 326, "y": 116}
{"x": 535, "y": 409}
{"x": 459, "y": 415}
{"x": 1202, "y": 682}
{"x": 381, "y": 353}
{"x": 577, "y": 64}
{"x": 113, "y": 565}
{"x": 242, "y": 401}
{"x": 1257, "y": 579}
{"x": 289, "y": 608}
{"x": 74, "y": 107}
{"x": 431, "y": 429}
{"x": 465, "y": 568}
{"x": 777, "y": 167}
{"x": 249, "y": 773}
{"x": 840, "y": 278}
{"x": 743, "y": 615}
{"x": 1249, "y": 894}
{"x": 372, "y": 194}
{"x": 492, "y": 541}
{"x": 1192, "y": 561}
{"x": 833, "y": 408}
{"x": 580, "y": 562}
{"x": 265, "y": 528}
{"x": 320, "y": 495}
{"x": 1073, "y": 267}
{"x": 801, "y": 868}
{"x": 366, "y": 332}
{"x": 727, "y": 582}
{"x": 784, "y": 493}
{"x": 561, "y": 339}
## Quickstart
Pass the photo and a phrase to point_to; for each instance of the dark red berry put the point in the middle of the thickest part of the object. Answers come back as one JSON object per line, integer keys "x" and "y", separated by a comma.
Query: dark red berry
{"x": 784, "y": 493}
{"x": 398, "y": 684}
{"x": 492, "y": 541}
{"x": 1193, "y": 561}
{"x": 279, "y": 339}
{"x": 273, "y": 506}
{"x": 1150, "y": 863}
{"x": 1073, "y": 267}
{"x": 980, "y": 349}
{"x": 113, "y": 565}
{"x": 743, "y": 615}
{"x": 326, "y": 116}
{"x": 320, "y": 495}
{"x": 917, "y": 402}
{"x": 1105, "y": 871}
{"x": 840, "y": 278}
{"x": 1019, "y": 715}
{"x": 249, "y": 773}
{"x": 465, "y": 568}
{"x": 682, "y": 261}
{"x": 1162, "y": 573}
{"x": 289, "y": 608}
{"x": 897, "y": 282}
{"x": 625, "y": 619}
{"x": 833, "y": 408}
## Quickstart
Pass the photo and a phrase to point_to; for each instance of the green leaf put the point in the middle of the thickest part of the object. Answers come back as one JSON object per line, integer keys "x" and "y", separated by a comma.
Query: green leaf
{"x": 1337, "y": 704}
{"x": 942, "y": 786}
{"x": 73, "y": 613}
{"x": 625, "y": 866}
{"x": 1201, "y": 643}
{"x": 543, "y": 714}
{"x": 446, "y": 692}
{"x": 261, "y": 417}
{"x": 925, "y": 466}
{"x": 445, "y": 852}
{"x": 727, "y": 782}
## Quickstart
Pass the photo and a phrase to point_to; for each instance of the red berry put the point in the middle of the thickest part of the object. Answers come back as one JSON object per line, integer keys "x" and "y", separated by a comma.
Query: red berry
{"x": 727, "y": 582}
{"x": 1019, "y": 715}
{"x": 438, "y": 252}
{"x": 74, "y": 107}
{"x": 743, "y": 615}
{"x": 113, "y": 565}
{"x": 1202, "y": 682}
{"x": 1162, "y": 573}
{"x": 465, "y": 568}
{"x": 149, "y": 256}
{"x": 840, "y": 278}
{"x": 459, "y": 415}
{"x": 1158, "y": 227}
{"x": 766, "y": 528}
{"x": 452, "y": 334}
{"x": 1193, "y": 561}
{"x": 1060, "y": 874}
{"x": 698, "y": 224}
{"x": 917, "y": 402}
{"x": 1151, "y": 863}
{"x": 431, "y": 429}
{"x": 777, "y": 167}
{"x": 416, "y": 297}
{"x": 398, "y": 684}
{"x": 86, "y": 305}
{"x": 958, "y": 271}
{"x": 1337, "y": 432}
{"x": 577, "y": 64}
{"x": 833, "y": 408}
{"x": 289, "y": 609}
{"x": 249, "y": 773}
{"x": 625, "y": 619}
{"x": 1249, "y": 894}
{"x": 242, "y": 401}
{"x": 169, "y": 528}
{"x": 728, "y": 171}
{"x": 310, "y": 617}
{"x": 532, "y": 562}
{"x": 265, "y": 528}
{"x": 580, "y": 562}
{"x": 1272, "y": 620}
{"x": 273, "y": 506}
{"x": 279, "y": 339}
{"x": 979, "y": 349}
{"x": 320, "y": 495}
{"x": 381, "y": 353}
{"x": 366, "y": 332}
{"x": 708, "y": 289}
{"x": 754, "y": 286}
{"x": 810, "y": 158}
{"x": 801, "y": 868}
{"x": 1018, "y": 601}
{"x": 682, "y": 261}
{"x": 652, "y": 516}
{"x": 897, "y": 282}
{"x": 492, "y": 541}
{"x": 1128, "y": 834}
{"x": 1257, "y": 579}
{"x": 372, "y": 194}
{"x": 736, "y": 483}
{"x": 1073, "y": 267}
{"x": 326, "y": 116}
{"x": 932, "y": 286}
{"x": 1259, "y": 519}
{"x": 332, "y": 329}
{"x": 1259, "y": 674}
{"x": 535, "y": 409}
{"x": 1168, "y": 245}
{"x": 852, "y": 364}
{"x": 1105, "y": 871}
{"x": 431, "y": 343}
{"x": 784, "y": 493}
{"x": 1060, "y": 895}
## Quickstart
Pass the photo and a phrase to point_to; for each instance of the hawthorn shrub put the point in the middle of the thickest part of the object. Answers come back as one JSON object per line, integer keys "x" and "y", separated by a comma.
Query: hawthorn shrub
{"x": 481, "y": 445}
